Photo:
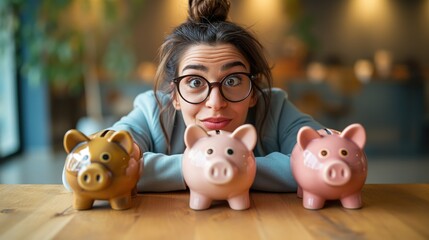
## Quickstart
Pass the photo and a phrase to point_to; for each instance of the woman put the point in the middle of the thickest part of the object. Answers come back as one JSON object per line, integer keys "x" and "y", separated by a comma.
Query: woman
{"x": 212, "y": 72}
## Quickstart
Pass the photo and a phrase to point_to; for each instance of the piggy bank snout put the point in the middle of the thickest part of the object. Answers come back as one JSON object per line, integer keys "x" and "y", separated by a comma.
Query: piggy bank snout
{"x": 219, "y": 171}
{"x": 336, "y": 173}
{"x": 94, "y": 177}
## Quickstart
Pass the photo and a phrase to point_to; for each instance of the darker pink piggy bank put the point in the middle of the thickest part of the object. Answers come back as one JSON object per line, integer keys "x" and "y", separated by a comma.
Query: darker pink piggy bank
{"x": 219, "y": 166}
{"x": 330, "y": 167}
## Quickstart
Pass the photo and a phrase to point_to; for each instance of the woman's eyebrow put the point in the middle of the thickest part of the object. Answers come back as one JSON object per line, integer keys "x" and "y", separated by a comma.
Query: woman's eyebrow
{"x": 232, "y": 64}
{"x": 196, "y": 67}
{"x": 205, "y": 69}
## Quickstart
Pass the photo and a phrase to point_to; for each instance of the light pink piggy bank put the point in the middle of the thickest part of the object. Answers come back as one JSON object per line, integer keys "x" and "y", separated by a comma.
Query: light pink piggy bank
{"x": 330, "y": 167}
{"x": 219, "y": 166}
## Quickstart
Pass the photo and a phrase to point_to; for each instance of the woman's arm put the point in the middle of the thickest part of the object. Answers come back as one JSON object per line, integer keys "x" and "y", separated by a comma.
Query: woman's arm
{"x": 162, "y": 169}
{"x": 161, "y": 173}
{"x": 279, "y": 138}
{"x": 273, "y": 173}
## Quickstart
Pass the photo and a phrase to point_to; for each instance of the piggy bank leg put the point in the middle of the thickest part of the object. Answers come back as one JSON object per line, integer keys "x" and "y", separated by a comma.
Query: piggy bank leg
{"x": 198, "y": 201}
{"x": 240, "y": 202}
{"x": 121, "y": 203}
{"x": 81, "y": 203}
{"x": 312, "y": 201}
{"x": 299, "y": 192}
{"x": 353, "y": 201}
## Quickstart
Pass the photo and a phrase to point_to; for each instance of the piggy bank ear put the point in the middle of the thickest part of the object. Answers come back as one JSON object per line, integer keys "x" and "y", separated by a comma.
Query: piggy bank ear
{"x": 72, "y": 138}
{"x": 246, "y": 134}
{"x": 356, "y": 133}
{"x": 306, "y": 135}
{"x": 124, "y": 139}
{"x": 193, "y": 133}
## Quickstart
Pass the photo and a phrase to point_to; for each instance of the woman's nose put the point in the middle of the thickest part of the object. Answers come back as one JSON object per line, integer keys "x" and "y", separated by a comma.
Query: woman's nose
{"x": 215, "y": 99}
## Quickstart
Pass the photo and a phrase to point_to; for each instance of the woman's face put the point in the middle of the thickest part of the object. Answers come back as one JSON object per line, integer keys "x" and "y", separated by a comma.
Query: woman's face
{"x": 213, "y": 63}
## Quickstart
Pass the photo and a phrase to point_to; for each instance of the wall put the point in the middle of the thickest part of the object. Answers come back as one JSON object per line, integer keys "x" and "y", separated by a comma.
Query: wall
{"x": 351, "y": 29}
{"x": 355, "y": 29}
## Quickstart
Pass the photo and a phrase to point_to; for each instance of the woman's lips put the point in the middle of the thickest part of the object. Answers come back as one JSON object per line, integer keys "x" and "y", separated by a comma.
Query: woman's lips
{"x": 215, "y": 123}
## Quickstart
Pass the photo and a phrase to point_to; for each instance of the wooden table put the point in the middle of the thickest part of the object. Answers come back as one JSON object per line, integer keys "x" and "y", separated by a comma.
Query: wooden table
{"x": 45, "y": 212}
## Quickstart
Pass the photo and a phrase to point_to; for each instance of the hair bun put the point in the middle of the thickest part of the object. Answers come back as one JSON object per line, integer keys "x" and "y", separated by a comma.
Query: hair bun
{"x": 208, "y": 10}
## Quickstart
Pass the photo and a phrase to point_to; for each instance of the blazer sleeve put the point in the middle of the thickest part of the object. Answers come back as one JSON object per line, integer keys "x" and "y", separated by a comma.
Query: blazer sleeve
{"x": 273, "y": 155}
{"x": 162, "y": 171}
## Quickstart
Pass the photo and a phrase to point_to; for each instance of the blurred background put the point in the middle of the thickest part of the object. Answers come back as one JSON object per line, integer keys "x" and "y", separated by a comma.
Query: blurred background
{"x": 79, "y": 64}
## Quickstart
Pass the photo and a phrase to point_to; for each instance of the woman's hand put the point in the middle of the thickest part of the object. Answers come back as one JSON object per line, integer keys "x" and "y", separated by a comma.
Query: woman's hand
{"x": 137, "y": 155}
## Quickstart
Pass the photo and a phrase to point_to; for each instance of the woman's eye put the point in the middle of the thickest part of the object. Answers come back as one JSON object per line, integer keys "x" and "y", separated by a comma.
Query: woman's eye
{"x": 232, "y": 81}
{"x": 195, "y": 82}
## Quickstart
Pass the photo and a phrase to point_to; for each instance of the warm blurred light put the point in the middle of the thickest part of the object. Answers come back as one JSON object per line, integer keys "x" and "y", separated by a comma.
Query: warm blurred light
{"x": 147, "y": 71}
{"x": 368, "y": 6}
{"x": 87, "y": 14}
{"x": 316, "y": 72}
{"x": 261, "y": 12}
{"x": 426, "y": 11}
{"x": 363, "y": 70}
{"x": 370, "y": 20}
{"x": 383, "y": 62}
{"x": 175, "y": 11}
{"x": 265, "y": 18}
{"x": 264, "y": 6}
{"x": 368, "y": 9}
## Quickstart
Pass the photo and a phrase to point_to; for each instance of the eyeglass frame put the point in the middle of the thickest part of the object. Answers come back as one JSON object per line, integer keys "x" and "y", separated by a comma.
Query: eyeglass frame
{"x": 211, "y": 85}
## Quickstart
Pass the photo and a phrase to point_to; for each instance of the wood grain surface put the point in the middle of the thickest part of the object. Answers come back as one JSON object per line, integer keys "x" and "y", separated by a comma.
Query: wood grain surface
{"x": 390, "y": 211}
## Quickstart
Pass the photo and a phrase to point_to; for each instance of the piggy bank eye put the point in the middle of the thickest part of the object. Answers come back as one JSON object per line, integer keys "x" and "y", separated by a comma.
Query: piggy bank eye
{"x": 209, "y": 151}
{"x": 323, "y": 153}
{"x": 229, "y": 151}
{"x": 344, "y": 152}
{"x": 105, "y": 156}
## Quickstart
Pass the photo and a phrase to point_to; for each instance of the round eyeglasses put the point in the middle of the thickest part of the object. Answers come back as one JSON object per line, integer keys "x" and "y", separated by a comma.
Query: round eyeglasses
{"x": 195, "y": 89}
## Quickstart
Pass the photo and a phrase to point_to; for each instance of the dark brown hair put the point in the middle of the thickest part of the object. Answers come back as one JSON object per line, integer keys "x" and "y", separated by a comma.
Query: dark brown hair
{"x": 207, "y": 24}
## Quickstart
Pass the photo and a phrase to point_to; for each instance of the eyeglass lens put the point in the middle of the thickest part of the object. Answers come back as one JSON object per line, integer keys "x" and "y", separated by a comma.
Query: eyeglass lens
{"x": 234, "y": 87}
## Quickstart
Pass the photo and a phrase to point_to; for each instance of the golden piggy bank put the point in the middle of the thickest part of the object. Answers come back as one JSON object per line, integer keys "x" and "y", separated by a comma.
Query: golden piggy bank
{"x": 100, "y": 167}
